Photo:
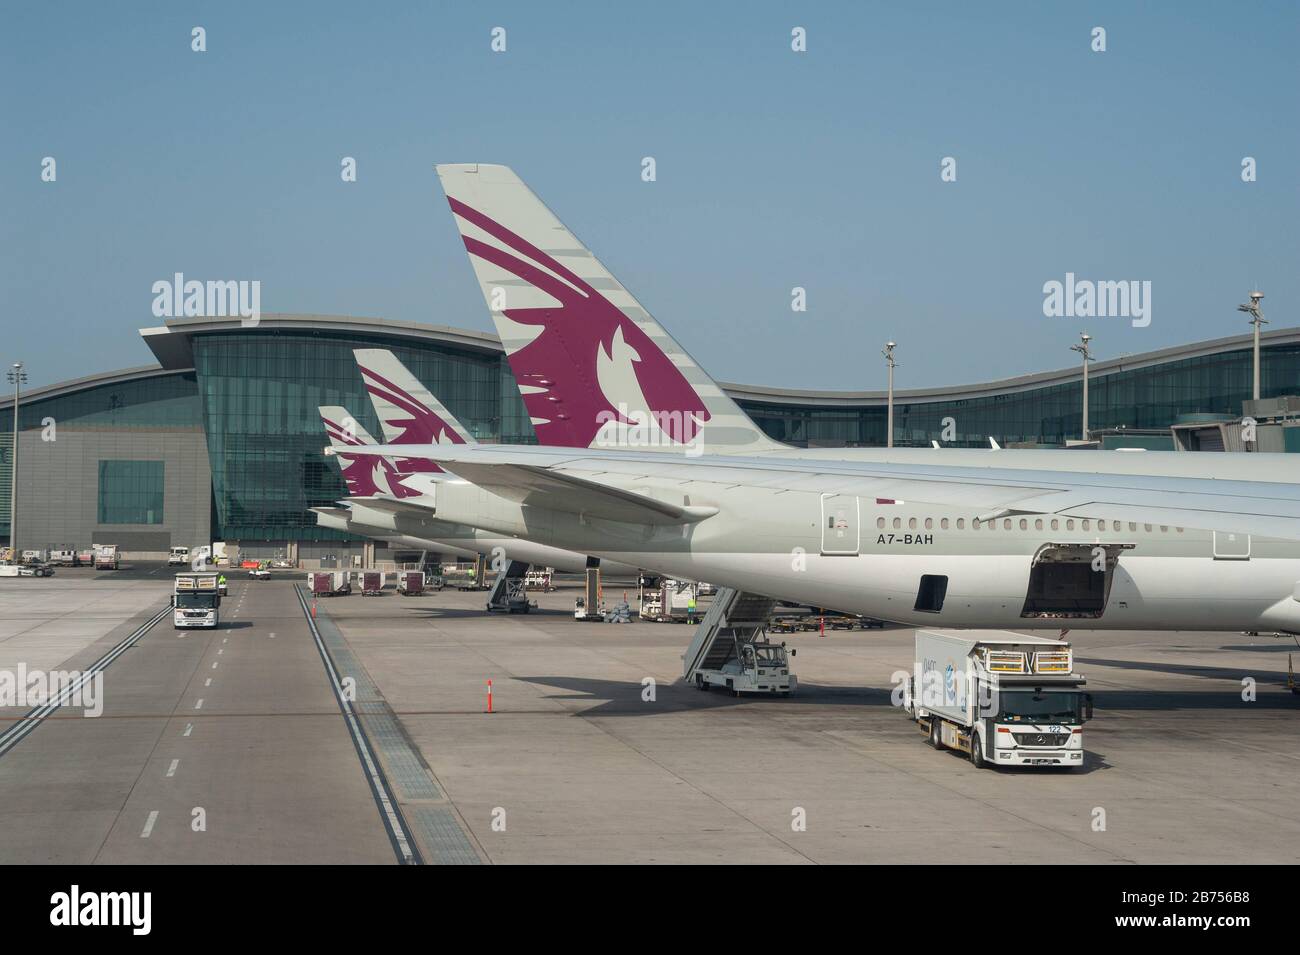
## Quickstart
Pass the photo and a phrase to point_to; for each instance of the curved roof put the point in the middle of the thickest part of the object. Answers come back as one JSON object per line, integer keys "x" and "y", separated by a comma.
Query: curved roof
{"x": 90, "y": 381}
{"x": 172, "y": 344}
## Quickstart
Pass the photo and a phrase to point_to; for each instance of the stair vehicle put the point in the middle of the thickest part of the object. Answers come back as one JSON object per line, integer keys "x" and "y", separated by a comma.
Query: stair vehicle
{"x": 731, "y": 648}
{"x": 1005, "y": 699}
{"x": 509, "y": 593}
{"x": 195, "y": 601}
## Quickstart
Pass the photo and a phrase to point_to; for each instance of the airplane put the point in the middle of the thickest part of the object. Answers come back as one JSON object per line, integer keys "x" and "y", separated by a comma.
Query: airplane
{"x": 407, "y": 410}
{"x": 646, "y": 460}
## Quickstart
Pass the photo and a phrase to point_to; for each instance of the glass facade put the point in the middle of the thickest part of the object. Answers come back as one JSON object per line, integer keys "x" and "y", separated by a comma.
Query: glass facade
{"x": 130, "y": 492}
{"x": 255, "y": 392}
{"x": 1150, "y": 397}
{"x": 260, "y": 393}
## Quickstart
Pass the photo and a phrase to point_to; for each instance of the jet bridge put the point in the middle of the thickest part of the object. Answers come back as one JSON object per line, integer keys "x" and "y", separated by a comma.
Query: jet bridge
{"x": 730, "y": 641}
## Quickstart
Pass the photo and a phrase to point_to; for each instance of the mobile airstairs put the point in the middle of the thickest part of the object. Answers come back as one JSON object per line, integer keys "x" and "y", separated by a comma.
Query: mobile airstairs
{"x": 730, "y": 648}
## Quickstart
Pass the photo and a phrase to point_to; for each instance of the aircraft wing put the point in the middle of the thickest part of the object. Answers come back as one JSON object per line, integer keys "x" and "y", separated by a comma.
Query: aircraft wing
{"x": 632, "y": 485}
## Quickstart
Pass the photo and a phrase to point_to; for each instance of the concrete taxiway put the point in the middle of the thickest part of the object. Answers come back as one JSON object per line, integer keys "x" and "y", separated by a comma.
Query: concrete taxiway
{"x": 595, "y": 753}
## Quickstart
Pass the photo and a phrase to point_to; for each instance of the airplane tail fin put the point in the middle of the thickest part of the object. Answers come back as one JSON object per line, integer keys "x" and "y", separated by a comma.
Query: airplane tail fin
{"x": 359, "y": 470}
{"x": 366, "y": 475}
{"x": 408, "y": 412}
{"x": 594, "y": 369}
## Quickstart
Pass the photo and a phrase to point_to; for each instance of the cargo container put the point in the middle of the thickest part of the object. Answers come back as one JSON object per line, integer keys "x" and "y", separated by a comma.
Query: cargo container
{"x": 329, "y": 583}
{"x": 372, "y": 583}
{"x": 410, "y": 583}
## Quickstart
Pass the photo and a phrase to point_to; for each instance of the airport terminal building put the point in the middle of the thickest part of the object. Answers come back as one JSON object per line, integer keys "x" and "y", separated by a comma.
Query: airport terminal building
{"x": 221, "y": 440}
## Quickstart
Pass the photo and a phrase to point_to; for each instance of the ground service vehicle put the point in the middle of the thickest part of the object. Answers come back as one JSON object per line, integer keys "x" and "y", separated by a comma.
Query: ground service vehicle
{"x": 63, "y": 558}
{"x": 372, "y": 583}
{"x": 35, "y": 568}
{"x": 1006, "y": 699}
{"x": 755, "y": 666}
{"x": 261, "y": 572}
{"x": 195, "y": 600}
{"x": 106, "y": 557}
{"x": 178, "y": 555}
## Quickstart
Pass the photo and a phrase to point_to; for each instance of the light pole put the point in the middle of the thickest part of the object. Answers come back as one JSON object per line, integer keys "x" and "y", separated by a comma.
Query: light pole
{"x": 889, "y": 416}
{"x": 18, "y": 377}
{"x": 1083, "y": 349}
{"x": 1256, "y": 319}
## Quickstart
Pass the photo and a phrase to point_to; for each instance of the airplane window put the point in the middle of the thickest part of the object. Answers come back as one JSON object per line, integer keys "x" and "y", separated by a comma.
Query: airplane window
{"x": 961, "y": 523}
{"x": 943, "y": 524}
{"x": 1056, "y": 525}
{"x": 929, "y": 523}
{"x": 1006, "y": 524}
{"x": 1087, "y": 525}
{"x": 911, "y": 523}
{"x": 1024, "y": 524}
{"x": 880, "y": 522}
{"x": 1069, "y": 525}
{"x": 1101, "y": 525}
{"x": 1164, "y": 528}
{"x": 1132, "y": 526}
{"x": 1147, "y": 528}
{"x": 898, "y": 522}
{"x": 1038, "y": 524}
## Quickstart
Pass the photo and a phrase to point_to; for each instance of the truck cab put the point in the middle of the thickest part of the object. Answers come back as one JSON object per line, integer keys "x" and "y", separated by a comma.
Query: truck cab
{"x": 196, "y": 601}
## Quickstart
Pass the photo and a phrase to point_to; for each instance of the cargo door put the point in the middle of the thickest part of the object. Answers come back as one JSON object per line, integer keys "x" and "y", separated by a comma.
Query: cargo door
{"x": 1231, "y": 546}
{"x": 1071, "y": 581}
{"x": 839, "y": 524}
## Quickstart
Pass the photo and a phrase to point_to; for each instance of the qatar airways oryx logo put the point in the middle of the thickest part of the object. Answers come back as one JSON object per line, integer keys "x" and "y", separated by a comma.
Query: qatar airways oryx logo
{"x": 1084, "y": 298}
{"x": 76, "y": 907}
{"x": 577, "y": 338}
{"x": 181, "y": 298}
{"x": 34, "y": 688}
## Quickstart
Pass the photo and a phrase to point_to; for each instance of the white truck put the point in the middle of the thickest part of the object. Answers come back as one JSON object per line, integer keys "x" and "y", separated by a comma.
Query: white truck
{"x": 178, "y": 555}
{"x": 196, "y": 601}
{"x": 106, "y": 557}
{"x": 1003, "y": 698}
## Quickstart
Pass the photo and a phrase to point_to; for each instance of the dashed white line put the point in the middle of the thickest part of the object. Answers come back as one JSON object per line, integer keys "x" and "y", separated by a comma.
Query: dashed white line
{"x": 214, "y": 664}
{"x": 199, "y": 704}
{"x": 148, "y": 825}
{"x": 171, "y": 770}
{"x": 188, "y": 728}
{"x": 208, "y": 682}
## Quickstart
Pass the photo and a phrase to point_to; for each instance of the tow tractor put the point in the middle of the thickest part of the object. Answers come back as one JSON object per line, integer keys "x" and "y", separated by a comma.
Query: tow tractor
{"x": 261, "y": 572}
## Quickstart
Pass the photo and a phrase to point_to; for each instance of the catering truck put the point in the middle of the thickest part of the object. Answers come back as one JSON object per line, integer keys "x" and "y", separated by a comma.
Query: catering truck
{"x": 196, "y": 601}
{"x": 1004, "y": 699}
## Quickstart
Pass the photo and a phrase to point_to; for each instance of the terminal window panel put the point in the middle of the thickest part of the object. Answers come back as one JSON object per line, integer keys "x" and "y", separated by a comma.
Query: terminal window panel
{"x": 130, "y": 492}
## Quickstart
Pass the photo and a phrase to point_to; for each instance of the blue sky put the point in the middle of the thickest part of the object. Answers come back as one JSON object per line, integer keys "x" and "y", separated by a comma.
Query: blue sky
{"x": 775, "y": 169}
